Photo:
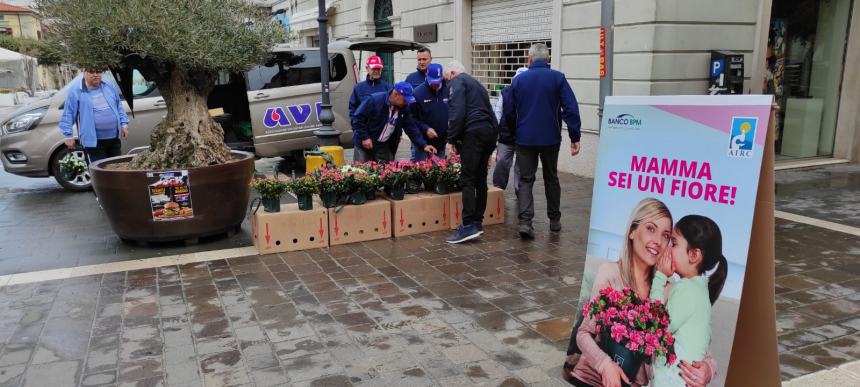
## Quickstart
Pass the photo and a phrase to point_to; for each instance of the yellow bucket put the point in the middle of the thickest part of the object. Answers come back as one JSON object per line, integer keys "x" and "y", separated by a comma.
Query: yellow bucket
{"x": 316, "y": 161}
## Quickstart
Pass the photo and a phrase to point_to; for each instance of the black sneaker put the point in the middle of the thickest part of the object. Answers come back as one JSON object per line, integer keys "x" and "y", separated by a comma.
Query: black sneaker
{"x": 555, "y": 225}
{"x": 465, "y": 233}
{"x": 527, "y": 232}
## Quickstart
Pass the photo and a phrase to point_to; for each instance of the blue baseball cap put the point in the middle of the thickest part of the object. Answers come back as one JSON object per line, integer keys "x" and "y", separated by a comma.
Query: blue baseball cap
{"x": 434, "y": 74}
{"x": 405, "y": 89}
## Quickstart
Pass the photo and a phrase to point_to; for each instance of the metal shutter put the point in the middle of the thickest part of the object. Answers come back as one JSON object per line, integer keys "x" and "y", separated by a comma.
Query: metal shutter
{"x": 511, "y": 20}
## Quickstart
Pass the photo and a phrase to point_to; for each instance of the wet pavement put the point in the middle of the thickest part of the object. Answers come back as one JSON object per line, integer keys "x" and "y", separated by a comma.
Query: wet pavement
{"x": 830, "y": 193}
{"x": 409, "y": 312}
{"x": 412, "y": 311}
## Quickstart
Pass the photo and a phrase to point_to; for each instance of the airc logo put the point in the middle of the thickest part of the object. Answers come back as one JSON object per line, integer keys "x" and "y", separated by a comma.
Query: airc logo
{"x": 742, "y": 136}
{"x": 625, "y": 121}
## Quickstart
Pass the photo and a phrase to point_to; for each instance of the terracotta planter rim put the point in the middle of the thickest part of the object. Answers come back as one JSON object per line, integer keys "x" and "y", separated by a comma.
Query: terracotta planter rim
{"x": 120, "y": 159}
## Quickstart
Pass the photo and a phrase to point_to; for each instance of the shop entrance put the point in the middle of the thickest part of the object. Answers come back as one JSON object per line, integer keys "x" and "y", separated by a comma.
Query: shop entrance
{"x": 804, "y": 66}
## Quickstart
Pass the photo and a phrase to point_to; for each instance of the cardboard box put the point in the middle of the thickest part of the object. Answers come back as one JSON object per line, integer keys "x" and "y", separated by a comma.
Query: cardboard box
{"x": 290, "y": 229}
{"x": 420, "y": 213}
{"x": 494, "y": 214}
{"x": 366, "y": 222}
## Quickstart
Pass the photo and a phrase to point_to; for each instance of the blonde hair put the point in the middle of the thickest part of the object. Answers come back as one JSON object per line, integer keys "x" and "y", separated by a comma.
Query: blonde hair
{"x": 646, "y": 209}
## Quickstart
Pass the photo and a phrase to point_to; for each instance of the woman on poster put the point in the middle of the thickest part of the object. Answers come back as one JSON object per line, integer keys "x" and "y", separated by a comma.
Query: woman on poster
{"x": 649, "y": 231}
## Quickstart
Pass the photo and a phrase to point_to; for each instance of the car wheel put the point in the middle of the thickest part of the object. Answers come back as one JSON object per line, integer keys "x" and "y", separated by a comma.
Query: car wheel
{"x": 79, "y": 183}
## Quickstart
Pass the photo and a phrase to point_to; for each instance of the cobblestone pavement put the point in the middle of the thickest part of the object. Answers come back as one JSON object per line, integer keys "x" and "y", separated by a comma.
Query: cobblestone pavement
{"x": 410, "y": 311}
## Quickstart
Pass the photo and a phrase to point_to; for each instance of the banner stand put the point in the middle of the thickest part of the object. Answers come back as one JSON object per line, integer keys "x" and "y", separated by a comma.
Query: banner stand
{"x": 754, "y": 359}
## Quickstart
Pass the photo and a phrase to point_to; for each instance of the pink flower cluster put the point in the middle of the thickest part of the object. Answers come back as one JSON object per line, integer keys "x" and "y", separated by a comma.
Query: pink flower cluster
{"x": 641, "y": 326}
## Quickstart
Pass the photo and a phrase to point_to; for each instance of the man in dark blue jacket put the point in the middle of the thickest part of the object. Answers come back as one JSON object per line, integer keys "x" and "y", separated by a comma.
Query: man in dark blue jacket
{"x": 417, "y": 78}
{"x": 430, "y": 111}
{"x": 472, "y": 133}
{"x": 380, "y": 121}
{"x": 423, "y": 57}
{"x": 373, "y": 84}
{"x": 541, "y": 98}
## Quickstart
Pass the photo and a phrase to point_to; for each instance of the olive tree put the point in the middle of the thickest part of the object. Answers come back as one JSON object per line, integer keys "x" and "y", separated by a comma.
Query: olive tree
{"x": 181, "y": 45}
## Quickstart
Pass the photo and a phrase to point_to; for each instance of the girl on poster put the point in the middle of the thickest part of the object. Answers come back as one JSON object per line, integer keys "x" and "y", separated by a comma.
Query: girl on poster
{"x": 696, "y": 247}
{"x": 649, "y": 231}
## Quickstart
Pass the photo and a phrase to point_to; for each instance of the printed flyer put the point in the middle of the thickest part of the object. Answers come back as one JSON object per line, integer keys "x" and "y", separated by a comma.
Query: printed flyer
{"x": 674, "y": 197}
{"x": 170, "y": 196}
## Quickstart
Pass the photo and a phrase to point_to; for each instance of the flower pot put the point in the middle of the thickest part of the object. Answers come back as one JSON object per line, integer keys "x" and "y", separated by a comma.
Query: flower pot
{"x": 329, "y": 199}
{"x": 306, "y": 202}
{"x": 413, "y": 185}
{"x": 441, "y": 188}
{"x": 69, "y": 175}
{"x": 628, "y": 360}
{"x": 272, "y": 203}
{"x": 370, "y": 194}
{"x": 219, "y": 196}
{"x": 358, "y": 197}
{"x": 429, "y": 184}
{"x": 396, "y": 193}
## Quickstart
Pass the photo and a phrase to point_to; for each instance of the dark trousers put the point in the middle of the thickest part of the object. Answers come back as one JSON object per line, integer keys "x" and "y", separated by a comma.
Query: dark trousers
{"x": 104, "y": 149}
{"x": 475, "y": 155}
{"x": 527, "y": 161}
{"x": 381, "y": 153}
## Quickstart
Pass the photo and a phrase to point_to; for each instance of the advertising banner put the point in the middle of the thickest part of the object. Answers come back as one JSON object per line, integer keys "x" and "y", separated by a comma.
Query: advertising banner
{"x": 675, "y": 196}
{"x": 170, "y": 196}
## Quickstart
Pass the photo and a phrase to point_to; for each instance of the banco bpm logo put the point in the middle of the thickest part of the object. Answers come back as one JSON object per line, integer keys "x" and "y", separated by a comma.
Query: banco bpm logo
{"x": 625, "y": 121}
{"x": 742, "y": 136}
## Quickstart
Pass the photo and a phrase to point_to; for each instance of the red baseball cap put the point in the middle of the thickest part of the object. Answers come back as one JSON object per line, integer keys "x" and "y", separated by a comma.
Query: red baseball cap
{"x": 374, "y": 62}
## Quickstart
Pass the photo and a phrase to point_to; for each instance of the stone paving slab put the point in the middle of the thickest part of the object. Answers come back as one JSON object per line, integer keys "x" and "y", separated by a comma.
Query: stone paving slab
{"x": 410, "y": 311}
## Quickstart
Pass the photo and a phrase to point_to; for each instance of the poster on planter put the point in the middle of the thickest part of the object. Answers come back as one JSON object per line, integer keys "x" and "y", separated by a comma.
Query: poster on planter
{"x": 170, "y": 196}
{"x": 671, "y": 218}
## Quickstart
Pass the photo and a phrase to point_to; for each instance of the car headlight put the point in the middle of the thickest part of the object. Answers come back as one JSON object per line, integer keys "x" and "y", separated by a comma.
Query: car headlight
{"x": 24, "y": 121}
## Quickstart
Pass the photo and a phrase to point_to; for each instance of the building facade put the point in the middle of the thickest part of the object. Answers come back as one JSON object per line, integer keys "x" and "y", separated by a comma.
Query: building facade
{"x": 801, "y": 51}
{"x": 19, "y": 22}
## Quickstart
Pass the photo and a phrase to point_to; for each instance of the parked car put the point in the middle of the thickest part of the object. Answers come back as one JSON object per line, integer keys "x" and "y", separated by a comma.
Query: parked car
{"x": 270, "y": 110}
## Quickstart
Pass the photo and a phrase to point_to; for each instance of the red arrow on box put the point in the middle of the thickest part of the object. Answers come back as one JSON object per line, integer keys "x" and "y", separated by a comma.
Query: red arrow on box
{"x": 401, "y": 218}
{"x": 384, "y": 220}
{"x": 321, "y": 230}
{"x": 336, "y": 226}
{"x": 498, "y": 206}
{"x": 457, "y": 211}
{"x": 444, "y": 212}
{"x": 267, "y": 234}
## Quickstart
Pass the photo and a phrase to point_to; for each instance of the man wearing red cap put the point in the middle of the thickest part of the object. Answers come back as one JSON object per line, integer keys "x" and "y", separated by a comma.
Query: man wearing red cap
{"x": 373, "y": 84}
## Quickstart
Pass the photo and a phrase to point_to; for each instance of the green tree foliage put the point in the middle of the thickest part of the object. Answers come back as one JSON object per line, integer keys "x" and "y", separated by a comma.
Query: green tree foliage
{"x": 181, "y": 45}
{"x": 207, "y": 35}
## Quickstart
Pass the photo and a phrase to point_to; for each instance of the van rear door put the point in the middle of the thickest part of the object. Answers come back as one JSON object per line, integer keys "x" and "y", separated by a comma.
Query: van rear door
{"x": 284, "y": 99}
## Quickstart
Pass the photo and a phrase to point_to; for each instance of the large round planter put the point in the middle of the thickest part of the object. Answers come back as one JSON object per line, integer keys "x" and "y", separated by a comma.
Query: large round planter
{"x": 219, "y": 199}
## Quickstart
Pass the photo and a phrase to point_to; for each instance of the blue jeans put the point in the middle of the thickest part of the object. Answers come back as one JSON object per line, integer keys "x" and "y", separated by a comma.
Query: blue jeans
{"x": 504, "y": 161}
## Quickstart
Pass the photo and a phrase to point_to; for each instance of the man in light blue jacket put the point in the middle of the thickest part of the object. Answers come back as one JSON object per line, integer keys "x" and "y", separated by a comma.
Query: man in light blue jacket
{"x": 97, "y": 109}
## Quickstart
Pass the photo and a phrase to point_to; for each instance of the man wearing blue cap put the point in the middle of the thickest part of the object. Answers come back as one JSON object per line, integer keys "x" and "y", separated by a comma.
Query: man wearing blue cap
{"x": 379, "y": 122}
{"x": 430, "y": 111}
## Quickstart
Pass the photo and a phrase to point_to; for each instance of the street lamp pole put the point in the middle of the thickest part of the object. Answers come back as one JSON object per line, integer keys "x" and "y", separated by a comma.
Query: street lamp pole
{"x": 326, "y": 134}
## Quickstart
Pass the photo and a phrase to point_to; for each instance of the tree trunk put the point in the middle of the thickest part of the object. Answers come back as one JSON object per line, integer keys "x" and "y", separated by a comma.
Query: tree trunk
{"x": 188, "y": 137}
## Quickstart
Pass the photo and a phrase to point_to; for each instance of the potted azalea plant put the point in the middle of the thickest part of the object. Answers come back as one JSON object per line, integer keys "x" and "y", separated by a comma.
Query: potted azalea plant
{"x": 270, "y": 191}
{"x": 361, "y": 183}
{"x": 393, "y": 180}
{"x": 631, "y": 329}
{"x": 428, "y": 172}
{"x": 373, "y": 169}
{"x": 72, "y": 166}
{"x": 332, "y": 186}
{"x": 304, "y": 188}
{"x": 412, "y": 175}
